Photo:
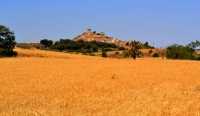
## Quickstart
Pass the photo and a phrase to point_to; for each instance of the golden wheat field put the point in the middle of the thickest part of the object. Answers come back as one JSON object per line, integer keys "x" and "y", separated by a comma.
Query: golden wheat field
{"x": 61, "y": 84}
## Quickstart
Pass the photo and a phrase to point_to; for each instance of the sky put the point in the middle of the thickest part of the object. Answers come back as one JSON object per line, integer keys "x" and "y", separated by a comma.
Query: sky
{"x": 159, "y": 22}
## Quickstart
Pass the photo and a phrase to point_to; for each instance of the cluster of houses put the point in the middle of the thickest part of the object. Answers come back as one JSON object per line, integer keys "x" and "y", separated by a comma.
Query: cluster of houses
{"x": 99, "y": 37}
{"x": 86, "y": 36}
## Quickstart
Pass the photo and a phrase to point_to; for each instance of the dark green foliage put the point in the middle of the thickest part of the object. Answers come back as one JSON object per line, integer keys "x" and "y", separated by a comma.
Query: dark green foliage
{"x": 135, "y": 46}
{"x": 116, "y": 53}
{"x": 127, "y": 43}
{"x": 155, "y": 55}
{"x": 140, "y": 54}
{"x": 193, "y": 45}
{"x": 7, "y": 42}
{"x": 134, "y": 51}
{"x": 84, "y": 53}
{"x": 82, "y": 46}
{"x": 121, "y": 48}
{"x": 94, "y": 47}
{"x": 179, "y": 52}
{"x": 91, "y": 54}
{"x": 197, "y": 57}
{"x": 46, "y": 42}
{"x": 107, "y": 49}
{"x": 176, "y": 51}
{"x": 104, "y": 54}
{"x": 147, "y": 46}
{"x": 150, "y": 51}
{"x": 104, "y": 45}
{"x": 126, "y": 53}
{"x": 9, "y": 53}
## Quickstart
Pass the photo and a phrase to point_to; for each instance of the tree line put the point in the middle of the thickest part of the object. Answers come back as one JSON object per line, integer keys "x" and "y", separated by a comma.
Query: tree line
{"x": 174, "y": 51}
{"x": 77, "y": 46}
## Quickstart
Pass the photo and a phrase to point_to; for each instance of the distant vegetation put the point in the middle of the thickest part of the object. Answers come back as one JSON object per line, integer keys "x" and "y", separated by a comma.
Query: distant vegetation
{"x": 80, "y": 46}
{"x": 176, "y": 51}
{"x": 155, "y": 55}
{"x": 132, "y": 49}
{"x": 171, "y": 52}
{"x": 46, "y": 43}
{"x": 7, "y": 42}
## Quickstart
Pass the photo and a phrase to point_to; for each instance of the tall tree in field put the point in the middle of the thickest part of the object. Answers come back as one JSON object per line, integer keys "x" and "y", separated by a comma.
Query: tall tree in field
{"x": 193, "y": 45}
{"x": 134, "y": 48}
{"x": 46, "y": 42}
{"x": 7, "y": 41}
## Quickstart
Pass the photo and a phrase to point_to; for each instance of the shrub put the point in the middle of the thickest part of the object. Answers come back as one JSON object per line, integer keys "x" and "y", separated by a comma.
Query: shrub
{"x": 38, "y": 47}
{"x": 10, "y": 53}
{"x": 126, "y": 53}
{"x": 84, "y": 53}
{"x": 116, "y": 53}
{"x": 155, "y": 55}
{"x": 197, "y": 58}
{"x": 107, "y": 49}
{"x": 91, "y": 54}
{"x": 104, "y": 54}
{"x": 179, "y": 52}
{"x": 150, "y": 51}
{"x": 121, "y": 48}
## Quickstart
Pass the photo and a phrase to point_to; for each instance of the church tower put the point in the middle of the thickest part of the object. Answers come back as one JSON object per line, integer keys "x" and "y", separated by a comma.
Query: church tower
{"x": 89, "y": 32}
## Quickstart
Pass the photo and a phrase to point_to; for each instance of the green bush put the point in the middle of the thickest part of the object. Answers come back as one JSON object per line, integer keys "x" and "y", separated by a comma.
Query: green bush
{"x": 179, "y": 52}
{"x": 91, "y": 54}
{"x": 155, "y": 55}
{"x": 10, "y": 53}
{"x": 116, "y": 53}
{"x": 104, "y": 54}
{"x": 84, "y": 53}
{"x": 150, "y": 51}
{"x": 121, "y": 48}
{"x": 197, "y": 58}
{"x": 126, "y": 53}
{"x": 107, "y": 49}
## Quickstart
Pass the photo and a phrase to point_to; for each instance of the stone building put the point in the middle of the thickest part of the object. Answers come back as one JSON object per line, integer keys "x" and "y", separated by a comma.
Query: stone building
{"x": 99, "y": 37}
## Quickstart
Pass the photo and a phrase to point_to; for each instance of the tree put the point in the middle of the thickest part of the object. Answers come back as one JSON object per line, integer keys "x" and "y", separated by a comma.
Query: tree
{"x": 7, "y": 42}
{"x": 135, "y": 46}
{"x": 193, "y": 45}
{"x": 176, "y": 51}
{"x": 150, "y": 51}
{"x": 46, "y": 42}
{"x": 94, "y": 48}
{"x": 155, "y": 55}
{"x": 104, "y": 54}
{"x": 121, "y": 48}
{"x": 127, "y": 43}
{"x": 146, "y": 44}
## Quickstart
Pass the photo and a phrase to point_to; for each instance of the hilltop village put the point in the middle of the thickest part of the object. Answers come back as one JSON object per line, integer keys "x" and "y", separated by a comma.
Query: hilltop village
{"x": 99, "y": 37}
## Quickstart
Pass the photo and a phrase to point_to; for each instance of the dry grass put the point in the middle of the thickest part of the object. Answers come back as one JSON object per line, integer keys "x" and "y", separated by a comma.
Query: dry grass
{"x": 198, "y": 51}
{"x": 92, "y": 86}
{"x": 33, "y": 52}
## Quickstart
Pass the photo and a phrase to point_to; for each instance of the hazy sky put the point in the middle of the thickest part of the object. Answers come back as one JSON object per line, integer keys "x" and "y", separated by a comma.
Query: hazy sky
{"x": 160, "y": 22}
